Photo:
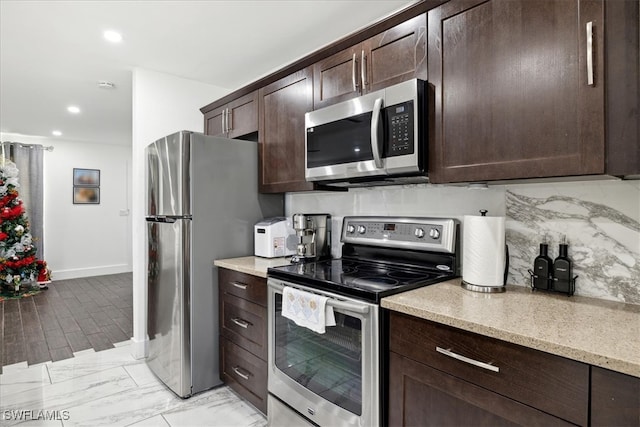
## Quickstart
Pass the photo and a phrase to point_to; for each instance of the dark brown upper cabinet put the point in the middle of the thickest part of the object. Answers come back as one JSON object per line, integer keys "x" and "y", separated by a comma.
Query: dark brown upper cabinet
{"x": 281, "y": 150}
{"x": 512, "y": 98}
{"x": 391, "y": 57}
{"x": 235, "y": 119}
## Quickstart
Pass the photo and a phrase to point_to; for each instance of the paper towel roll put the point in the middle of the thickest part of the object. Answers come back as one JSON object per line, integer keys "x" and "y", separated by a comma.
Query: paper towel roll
{"x": 483, "y": 252}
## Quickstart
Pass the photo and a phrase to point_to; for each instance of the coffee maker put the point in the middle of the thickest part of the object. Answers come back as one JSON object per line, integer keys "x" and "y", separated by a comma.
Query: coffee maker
{"x": 313, "y": 232}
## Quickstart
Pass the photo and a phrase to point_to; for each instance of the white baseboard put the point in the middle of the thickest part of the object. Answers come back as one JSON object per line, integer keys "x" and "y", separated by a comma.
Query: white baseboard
{"x": 139, "y": 348}
{"x": 77, "y": 273}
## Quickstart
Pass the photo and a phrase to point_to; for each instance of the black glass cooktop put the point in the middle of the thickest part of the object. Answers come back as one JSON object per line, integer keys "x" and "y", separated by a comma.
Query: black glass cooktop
{"x": 363, "y": 279}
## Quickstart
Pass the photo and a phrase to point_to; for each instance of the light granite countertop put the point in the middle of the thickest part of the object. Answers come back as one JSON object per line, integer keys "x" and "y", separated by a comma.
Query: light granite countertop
{"x": 599, "y": 332}
{"x": 254, "y": 265}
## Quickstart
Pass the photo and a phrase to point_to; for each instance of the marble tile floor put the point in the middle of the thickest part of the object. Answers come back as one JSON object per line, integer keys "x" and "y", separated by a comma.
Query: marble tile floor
{"x": 110, "y": 388}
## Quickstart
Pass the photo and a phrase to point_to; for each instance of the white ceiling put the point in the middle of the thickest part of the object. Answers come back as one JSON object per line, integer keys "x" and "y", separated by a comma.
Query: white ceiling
{"x": 52, "y": 53}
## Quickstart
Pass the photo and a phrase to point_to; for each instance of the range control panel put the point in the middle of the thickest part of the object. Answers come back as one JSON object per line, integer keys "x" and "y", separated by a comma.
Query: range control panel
{"x": 433, "y": 234}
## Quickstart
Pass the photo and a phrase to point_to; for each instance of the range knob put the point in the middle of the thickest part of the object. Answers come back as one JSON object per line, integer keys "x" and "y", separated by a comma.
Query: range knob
{"x": 434, "y": 233}
{"x": 362, "y": 229}
{"x": 351, "y": 228}
{"x": 419, "y": 233}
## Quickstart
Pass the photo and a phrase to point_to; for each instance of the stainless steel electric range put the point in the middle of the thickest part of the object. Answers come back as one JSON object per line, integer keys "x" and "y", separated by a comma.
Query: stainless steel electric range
{"x": 339, "y": 378}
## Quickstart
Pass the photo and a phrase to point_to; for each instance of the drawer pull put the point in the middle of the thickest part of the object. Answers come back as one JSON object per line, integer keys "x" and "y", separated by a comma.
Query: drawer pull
{"x": 241, "y": 374}
{"x": 467, "y": 360}
{"x": 239, "y": 285}
{"x": 240, "y": 322}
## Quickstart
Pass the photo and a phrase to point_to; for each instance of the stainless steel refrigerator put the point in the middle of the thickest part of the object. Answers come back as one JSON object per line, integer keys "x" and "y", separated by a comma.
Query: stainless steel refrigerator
{"x": 202, "y": 204}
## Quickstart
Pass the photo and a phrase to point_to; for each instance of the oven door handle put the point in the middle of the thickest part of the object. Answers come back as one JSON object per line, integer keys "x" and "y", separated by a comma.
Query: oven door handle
{"x": 340, "y": 305}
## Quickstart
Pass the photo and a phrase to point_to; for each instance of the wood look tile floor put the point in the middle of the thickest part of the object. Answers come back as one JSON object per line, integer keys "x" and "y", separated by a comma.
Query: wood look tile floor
{"x": 72, "y": 315}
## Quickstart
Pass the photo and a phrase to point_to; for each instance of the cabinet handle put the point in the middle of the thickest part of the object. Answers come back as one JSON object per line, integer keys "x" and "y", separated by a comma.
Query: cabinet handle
{"x": 363, "y": 69}
{"x": 467, "y": 360}
{"x": 240, "y": 322}
{"x": 590, "y": 53}
{"x": 239, "y": 285}
{"x": 239, "y": 373}
{"x": 224, "y": 112}
{"x": 229, "y": 120}
{"x": 354, "y": 79}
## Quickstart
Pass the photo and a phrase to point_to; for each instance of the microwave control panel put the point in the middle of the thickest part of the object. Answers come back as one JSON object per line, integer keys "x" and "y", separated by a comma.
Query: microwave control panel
{"x": 400, "y": 129}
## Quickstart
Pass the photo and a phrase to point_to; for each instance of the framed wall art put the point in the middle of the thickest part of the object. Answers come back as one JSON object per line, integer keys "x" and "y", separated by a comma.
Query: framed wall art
{"x": 86, "y": 195}
{"x": 86, "y": 177}
{"x": 86, "y": 186}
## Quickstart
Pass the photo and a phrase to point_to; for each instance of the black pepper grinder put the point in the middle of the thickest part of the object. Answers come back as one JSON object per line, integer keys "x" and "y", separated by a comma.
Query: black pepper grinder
{"x": 542, "y": 268}
{"x": 562, "y": 274}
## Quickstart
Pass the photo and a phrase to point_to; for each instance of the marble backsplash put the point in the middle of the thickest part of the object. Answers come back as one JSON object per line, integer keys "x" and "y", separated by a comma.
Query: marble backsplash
{"x": 601, "y": 220}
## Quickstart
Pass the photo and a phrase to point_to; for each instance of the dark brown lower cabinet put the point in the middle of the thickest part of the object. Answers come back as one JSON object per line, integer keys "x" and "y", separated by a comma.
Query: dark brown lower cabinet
{"x": 615, "y": 398}
{"x": 424, "y": 396}
{"x": 440, "y": 375}
{"x": 243, "y": 335}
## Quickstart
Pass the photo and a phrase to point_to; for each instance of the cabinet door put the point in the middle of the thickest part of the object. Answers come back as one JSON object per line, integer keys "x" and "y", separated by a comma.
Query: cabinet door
{"x": 615, "y": 398}
{"x": 283, "y": 105}
{"x": 243, "y": 115}
{"x": 396, "y": 55}
{"x": 337, "y": 78}
{"x": 422, "y": 396}
{"x": 214, "y": 122}
{"x": 512, "y": 97}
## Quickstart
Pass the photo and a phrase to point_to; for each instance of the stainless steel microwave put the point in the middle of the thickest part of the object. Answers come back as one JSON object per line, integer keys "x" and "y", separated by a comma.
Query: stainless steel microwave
{"x": 377, "y": 138}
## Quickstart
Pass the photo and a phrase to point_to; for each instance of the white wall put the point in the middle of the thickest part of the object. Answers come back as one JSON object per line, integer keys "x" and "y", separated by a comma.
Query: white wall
{"x": 162, "y": 104}
{"x": 84, "y": 240}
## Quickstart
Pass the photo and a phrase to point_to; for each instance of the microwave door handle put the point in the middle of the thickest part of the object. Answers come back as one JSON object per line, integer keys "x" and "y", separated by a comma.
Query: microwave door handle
{"x": 375, "y": 140}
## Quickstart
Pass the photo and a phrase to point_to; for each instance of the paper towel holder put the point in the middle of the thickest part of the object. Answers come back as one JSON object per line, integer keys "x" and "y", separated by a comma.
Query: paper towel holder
{"x": 490, "y": 289}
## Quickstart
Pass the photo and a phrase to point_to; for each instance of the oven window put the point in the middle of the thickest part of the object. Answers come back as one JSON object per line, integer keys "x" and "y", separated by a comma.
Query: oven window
{"x": 342, "y": 141}
{"x": 329, "y": 364}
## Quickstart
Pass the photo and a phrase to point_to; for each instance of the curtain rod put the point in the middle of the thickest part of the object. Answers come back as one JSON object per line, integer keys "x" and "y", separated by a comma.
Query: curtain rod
{"x": 42, "y": 147}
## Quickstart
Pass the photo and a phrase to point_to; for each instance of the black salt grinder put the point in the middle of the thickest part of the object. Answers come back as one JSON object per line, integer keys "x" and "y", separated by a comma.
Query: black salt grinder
{"x": 562, "y": 274}
{"x": 542, "y": 269}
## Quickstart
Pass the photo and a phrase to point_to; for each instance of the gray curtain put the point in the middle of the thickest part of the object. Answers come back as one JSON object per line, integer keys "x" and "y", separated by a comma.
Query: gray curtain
{"x": 28, "y": 160}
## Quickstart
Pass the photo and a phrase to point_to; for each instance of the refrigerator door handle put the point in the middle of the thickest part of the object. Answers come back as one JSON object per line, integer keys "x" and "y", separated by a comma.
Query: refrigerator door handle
{"x": 166, "y": 219}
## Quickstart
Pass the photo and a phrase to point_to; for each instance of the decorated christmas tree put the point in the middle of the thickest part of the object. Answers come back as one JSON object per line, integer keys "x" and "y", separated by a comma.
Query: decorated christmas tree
{"x": 18, "y": 262}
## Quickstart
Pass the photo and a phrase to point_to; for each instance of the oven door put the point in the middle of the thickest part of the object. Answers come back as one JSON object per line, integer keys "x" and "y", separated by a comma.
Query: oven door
{"x": 332, "y": 379}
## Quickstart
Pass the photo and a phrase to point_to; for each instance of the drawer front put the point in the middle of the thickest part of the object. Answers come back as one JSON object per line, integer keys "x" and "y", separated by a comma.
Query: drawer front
{"x": 554, "y": 384}
{"x": 252, "y": 288}
{"x": 245, "y": 323}
{"x": 423, "y": 396}
{"x": 245, "y": 373}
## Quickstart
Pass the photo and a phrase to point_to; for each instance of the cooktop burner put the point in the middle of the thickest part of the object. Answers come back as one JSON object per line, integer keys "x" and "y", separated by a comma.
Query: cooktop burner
{"x": 370, "y": 280}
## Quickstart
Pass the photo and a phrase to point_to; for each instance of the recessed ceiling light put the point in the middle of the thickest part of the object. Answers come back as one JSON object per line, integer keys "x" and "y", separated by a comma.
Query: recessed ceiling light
{"x": 113, "y": 36}
{"x": 56, "y": 133}
{"x": 73, "y": 109}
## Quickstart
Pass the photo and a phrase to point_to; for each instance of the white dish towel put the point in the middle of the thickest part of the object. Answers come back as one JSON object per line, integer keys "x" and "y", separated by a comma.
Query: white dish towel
{"x": 307, "y": 309}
